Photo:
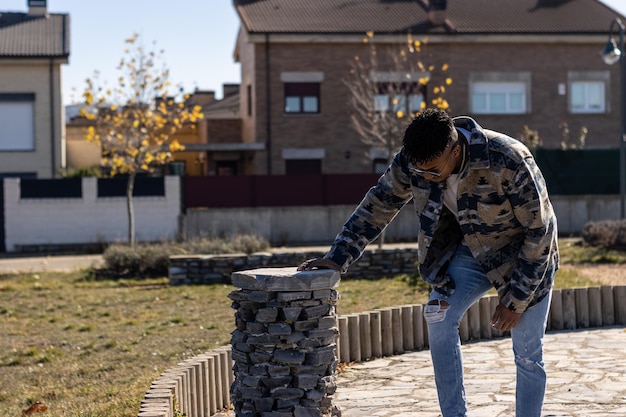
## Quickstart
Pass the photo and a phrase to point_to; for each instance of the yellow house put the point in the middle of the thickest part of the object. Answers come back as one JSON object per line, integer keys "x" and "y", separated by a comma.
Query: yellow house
{"x": 213, "y": 147}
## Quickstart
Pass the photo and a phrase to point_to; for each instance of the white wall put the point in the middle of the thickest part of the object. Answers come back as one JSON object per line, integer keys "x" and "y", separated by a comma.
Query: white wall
{"x": 288, "y": 225}
{"x": 97, "y": 220}
{"x": 319, "y": 225}
{"x": 88, "y": 219}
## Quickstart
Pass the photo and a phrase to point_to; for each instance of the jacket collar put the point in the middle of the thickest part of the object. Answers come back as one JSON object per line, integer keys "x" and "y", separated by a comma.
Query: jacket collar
{"x": 479, "y": 152}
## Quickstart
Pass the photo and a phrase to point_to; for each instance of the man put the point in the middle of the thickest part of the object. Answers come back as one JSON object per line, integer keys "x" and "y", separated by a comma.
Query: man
{"x": 485, "y": 220}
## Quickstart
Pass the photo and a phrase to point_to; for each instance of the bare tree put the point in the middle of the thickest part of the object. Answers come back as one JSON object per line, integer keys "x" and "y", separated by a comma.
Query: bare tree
{"x": 388, "y": 86}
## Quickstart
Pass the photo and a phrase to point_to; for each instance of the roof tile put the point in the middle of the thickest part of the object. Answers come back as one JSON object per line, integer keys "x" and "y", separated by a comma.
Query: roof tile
{"x": 401, "y": 16}
{"x": 23, "y": 35}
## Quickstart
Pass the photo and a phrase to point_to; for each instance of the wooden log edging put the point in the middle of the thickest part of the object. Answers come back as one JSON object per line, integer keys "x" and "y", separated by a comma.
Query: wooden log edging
{"x": 200, "y": 386}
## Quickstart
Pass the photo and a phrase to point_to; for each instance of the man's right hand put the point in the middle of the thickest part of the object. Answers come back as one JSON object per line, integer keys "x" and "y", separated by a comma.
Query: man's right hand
{"x": 318, "y": 263}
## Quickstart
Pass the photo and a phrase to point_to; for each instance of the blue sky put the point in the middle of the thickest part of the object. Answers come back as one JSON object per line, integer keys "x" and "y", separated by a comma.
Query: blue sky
{"x": 197, "y": 36}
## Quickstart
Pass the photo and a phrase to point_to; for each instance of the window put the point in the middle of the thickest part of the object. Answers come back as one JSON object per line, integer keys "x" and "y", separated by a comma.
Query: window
{"x": 303, "y": 166}
{"x": 587, "y": 97}
{"x": 380, "y": 159}
{"x": 303, "y": 160}
{"x": 226, "y": 168}
{"x": 499, "y": 92}
{"x": 17, "y": 122}
{"x": 176, "y": 168}
{"x": 587, "y": 91}
{"x": 379, "y": 165}
{"x": 302, "y": 97}
{"x": 498, "y": 97}
{"x": 249, "y": 96}
{"x": 406, "y": 98}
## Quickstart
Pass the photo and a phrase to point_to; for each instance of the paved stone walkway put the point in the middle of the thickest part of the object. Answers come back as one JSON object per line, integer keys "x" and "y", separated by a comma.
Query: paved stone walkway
{"x": 586, "y": 378}
{"x": 586, "y": 371}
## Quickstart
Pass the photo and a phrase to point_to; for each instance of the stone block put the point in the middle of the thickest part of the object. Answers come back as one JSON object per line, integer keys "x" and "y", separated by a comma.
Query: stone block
{"x": 289, "y": 357}
{"x": 266, "y": 315}
{"x": 300, "y": 411}
{"x": 285, "y": 279}
{"x": 315, "y": 312}
{"x": 291, "y": 314}
{"x": 259, "y": 357}
{"x": 287, "y": 393}
{"x": 285, "y": 297}
{"x": 278, "y": 370}
{"x": 321, "y": 356}
{"x": 263, "y": 404}
{"x": 263, "y": 339}
{"x": 305, "y": 325}
{"x": 327, "y": 322}
{"x": 273, "y": 382}
{"x": 294, "y": 337}
{"x": 279, "y": 329}
{"x": 307, "y": 381}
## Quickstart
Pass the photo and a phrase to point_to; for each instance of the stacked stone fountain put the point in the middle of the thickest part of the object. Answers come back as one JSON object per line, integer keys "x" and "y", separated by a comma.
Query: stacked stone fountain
{"x": 284, "y": 347}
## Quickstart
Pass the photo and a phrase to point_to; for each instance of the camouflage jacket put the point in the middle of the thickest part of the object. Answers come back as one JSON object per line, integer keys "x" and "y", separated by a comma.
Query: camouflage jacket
{"x": 504, "y": 216}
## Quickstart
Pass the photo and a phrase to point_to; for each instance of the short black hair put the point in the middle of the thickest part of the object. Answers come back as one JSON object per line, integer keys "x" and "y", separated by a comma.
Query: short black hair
{"x": 427, "y": 136}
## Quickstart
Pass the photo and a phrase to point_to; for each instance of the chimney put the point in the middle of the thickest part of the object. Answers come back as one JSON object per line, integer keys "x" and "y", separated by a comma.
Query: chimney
{"x": 37, "y": 7}
{"x": 202, "y": 97}
{"x": 437, "y": 11}
{"x": 230, "y": 89}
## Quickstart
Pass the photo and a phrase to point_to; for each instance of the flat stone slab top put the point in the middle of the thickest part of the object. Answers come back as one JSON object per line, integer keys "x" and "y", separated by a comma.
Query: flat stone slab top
{"x": 286, "y": 279}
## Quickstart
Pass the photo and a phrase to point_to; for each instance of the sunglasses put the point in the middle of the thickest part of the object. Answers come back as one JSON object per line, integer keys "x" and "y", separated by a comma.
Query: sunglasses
{"x": 431, "y": 172}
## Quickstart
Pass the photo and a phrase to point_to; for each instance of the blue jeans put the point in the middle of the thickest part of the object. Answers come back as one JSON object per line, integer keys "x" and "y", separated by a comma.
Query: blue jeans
{"x": 445, "y": 345}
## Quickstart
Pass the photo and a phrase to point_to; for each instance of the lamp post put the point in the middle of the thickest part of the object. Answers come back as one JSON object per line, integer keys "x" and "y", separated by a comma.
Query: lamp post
{"x": 611, "y": 54}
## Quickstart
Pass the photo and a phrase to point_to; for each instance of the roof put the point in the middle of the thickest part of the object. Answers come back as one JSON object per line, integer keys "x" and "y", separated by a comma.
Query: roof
{"x": 228, "y": 103}
{"x": 27, "y": 36}
{"x": 402, "y": 16}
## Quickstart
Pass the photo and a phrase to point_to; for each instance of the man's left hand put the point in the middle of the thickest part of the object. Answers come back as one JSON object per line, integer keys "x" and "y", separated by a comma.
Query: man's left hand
{"x": 504, "y": 319}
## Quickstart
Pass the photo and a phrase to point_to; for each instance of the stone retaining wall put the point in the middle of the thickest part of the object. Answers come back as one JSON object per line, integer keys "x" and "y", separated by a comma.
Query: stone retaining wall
{"x": 199, "y": 387}
{"x": 209, "y": 269}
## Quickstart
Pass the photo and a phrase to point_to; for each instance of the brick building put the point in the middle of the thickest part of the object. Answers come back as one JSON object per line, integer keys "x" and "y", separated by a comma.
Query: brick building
{"x": 513, "y": 63}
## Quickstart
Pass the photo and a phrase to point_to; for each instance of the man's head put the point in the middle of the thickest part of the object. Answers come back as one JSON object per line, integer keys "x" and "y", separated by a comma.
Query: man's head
{"x": 431, "y": 143}
{"x": 427, "y": 136}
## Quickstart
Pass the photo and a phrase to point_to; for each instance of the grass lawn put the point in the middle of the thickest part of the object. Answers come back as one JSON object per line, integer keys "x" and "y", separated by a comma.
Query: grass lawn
{"x": 88, "y": 348}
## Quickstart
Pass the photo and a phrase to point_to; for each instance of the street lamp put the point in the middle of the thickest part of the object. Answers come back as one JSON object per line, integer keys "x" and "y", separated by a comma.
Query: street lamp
{"x": 611, "y": 54}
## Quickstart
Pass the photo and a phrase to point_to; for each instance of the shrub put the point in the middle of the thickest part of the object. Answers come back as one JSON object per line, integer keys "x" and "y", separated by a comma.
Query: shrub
{"x": 84, "y": 171}
{"x": 608, "y": 233}
{"x": 152, "y": 260}
{"x": 238, "y": 243}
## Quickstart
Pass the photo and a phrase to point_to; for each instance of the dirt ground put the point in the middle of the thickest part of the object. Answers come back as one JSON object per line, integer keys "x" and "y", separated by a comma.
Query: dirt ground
{"x": 606, "y": 274}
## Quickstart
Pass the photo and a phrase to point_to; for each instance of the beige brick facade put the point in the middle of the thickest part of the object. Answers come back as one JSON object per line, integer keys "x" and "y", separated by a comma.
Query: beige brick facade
{"x": 41, "y": 77}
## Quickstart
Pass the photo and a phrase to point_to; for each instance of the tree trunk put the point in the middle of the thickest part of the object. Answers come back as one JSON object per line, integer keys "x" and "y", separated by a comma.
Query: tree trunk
{"x": 130, "y": 185}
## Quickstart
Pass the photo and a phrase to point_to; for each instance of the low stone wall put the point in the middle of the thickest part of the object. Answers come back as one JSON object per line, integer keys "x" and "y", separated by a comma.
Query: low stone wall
{"x": 209, "y": 269}
{"x": 199, "y": 387}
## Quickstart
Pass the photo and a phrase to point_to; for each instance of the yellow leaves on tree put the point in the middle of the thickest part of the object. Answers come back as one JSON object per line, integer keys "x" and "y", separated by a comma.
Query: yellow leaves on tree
{"x": 137, "y": 123}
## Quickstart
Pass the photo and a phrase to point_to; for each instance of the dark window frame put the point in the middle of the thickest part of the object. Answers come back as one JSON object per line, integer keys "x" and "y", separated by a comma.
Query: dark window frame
{"x": 391, "y": 90}
{"x": 28, "y": 98}
{"x": 302, "y": 91}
